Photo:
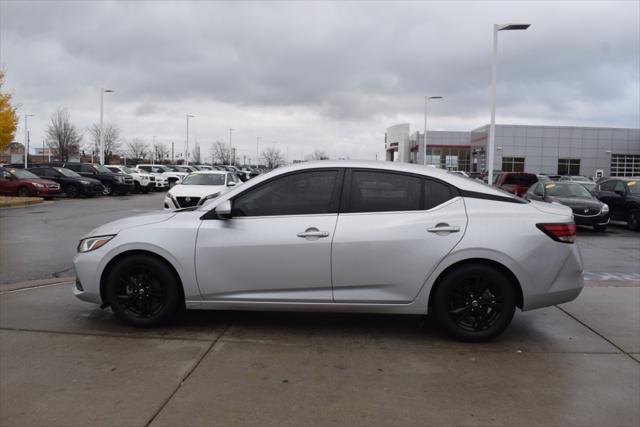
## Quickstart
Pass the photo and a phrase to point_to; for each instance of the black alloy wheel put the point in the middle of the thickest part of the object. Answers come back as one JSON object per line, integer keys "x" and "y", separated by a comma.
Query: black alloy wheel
{"x": 474, "y": 303}
{"x": 107, "y": 189}
{"x": 143, "y": 291}
{"x": 23, "y": 192}
{"x": 71, "y": 191}
{"x": 634, "y": 220}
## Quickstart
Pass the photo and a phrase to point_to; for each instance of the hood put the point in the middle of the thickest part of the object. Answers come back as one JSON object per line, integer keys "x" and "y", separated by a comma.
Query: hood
{"x": 577, "y": 202}
{"x": 182, "y": 190}
{"x": 115, "y": 227}
{"x": 552, "y": 208}
{"x": 84, "y": 178}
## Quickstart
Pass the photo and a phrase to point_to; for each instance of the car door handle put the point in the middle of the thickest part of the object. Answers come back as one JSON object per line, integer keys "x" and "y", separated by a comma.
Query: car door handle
{"x": 444, "y": 228}
{"x": 313, "y": 232}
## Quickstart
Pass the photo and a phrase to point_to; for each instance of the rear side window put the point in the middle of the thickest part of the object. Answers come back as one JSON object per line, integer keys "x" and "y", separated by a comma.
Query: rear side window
{"x": 145, "y": 168}
{"x": 384, "y": 192}
{"x": 87, "y": 168}
{"x": 75, "y": 168}
{"x": 297, "y": 194}
{"x": 436, "y": 193}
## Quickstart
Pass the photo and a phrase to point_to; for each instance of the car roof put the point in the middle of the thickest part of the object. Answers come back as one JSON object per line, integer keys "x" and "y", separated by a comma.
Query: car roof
{"x": 456, "y": 180}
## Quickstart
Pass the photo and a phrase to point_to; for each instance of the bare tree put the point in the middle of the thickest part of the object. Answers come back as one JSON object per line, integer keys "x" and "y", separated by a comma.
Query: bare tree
{"x": 162, "y": 152}
{"x": 273, "y": 157}
{"x": 318, "y": 155}
{"x": 63, "y": 138}
{"x": 195, "y": 155}
{"x": 221, "y": 153}
{"x": 111, "y": 139}
{"x": 137, "y": 149}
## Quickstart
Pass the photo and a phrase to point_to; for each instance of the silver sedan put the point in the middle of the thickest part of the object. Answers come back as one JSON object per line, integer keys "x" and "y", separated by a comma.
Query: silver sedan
{"x": 341, "y": 236}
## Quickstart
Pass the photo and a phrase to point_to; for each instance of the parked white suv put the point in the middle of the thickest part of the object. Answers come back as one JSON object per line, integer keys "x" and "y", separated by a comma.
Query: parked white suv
{"x": 159, "y": 170}
{"x": 142, "y": 181}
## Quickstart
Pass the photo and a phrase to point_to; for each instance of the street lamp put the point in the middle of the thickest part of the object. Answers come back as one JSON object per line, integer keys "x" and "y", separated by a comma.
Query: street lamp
{"x": 26, "y": 137}
{"x": 186, "y": 157}
{"x": 100, "y": 137}
{"x": 231, "y": 145}
{"x": 494, "y": 73}
{"x": 426, "y": 99}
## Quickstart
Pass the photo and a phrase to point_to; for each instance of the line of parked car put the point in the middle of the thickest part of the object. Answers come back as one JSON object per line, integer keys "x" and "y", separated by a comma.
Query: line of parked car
{"x": 75, "y": 179}
{"x": 593, "y": 203}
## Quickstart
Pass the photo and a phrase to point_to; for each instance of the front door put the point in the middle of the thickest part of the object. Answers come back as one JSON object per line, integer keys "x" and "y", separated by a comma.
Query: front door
{"x": 277, "y": 246}
{"x": 392, "y": 232}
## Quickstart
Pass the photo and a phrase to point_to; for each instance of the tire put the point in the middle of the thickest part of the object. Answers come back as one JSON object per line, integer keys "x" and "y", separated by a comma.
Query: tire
{"x": 172, "y": 182}
{"x": 633, "y": 221}
{"x": 23, "y": 192}
{"x": 108, "y": 189}
{"x": 143, "y": 291}
{"x": 71, "y": 191}
{"x": 136, "y": 187}
{"x": 474, "y": 303}
{"x": 599, "y": 227}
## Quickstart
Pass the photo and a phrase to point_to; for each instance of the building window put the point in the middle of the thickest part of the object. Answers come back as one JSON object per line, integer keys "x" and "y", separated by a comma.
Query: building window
{"x": 625, "y": 165}
{"x": 513, "y": 164}
{"x": 568, "y": 166}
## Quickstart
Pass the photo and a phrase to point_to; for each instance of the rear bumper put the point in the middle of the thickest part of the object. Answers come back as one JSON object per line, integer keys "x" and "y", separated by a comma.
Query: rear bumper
{"x": 565, "y": 287}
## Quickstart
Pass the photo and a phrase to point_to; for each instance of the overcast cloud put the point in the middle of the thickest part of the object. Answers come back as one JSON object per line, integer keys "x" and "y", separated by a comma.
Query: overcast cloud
{"x": 322, "y": 75}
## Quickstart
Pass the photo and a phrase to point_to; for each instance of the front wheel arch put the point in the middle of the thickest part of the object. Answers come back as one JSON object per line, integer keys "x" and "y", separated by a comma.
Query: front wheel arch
{"x": 496, "y": 265}
{"x": 112, "y": 263}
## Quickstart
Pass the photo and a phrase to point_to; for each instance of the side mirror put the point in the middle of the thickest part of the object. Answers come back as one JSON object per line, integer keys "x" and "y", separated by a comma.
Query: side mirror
{"x": 620, "y": 193}
{"x": 231, "y": 184}
{"x": 223, "y": 210}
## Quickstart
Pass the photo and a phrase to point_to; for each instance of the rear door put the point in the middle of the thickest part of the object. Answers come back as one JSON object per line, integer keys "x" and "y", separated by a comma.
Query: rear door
{"x": 392, "y": 231}
{"x": 8, "y": 183}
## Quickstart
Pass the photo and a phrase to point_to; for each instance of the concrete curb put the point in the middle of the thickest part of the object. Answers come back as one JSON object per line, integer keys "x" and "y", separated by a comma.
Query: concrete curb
{"x": 19, "y": 202}
{"x": 35, "y": 283}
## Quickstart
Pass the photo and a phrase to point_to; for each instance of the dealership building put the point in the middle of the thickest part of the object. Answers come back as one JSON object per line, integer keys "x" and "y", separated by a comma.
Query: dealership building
{"x": 558, "y": 150}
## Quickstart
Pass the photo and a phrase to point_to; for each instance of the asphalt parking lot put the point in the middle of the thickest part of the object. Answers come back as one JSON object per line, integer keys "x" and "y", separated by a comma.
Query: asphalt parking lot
{"x": 64, "y": 362}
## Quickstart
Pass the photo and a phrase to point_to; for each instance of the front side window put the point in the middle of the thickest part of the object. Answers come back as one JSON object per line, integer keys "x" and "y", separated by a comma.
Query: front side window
{"x": 619, "y": 187}
{"x": 145, "y": 168}
{"x": 297, "y": 194}
{"x": 384, "y": 192}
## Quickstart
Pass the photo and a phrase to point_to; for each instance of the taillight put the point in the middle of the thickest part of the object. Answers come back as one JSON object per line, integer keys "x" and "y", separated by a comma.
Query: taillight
{"x": 565, "y": 233}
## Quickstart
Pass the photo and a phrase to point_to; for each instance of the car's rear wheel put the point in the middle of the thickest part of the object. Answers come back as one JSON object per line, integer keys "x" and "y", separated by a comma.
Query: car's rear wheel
{"x": 474, "y": 303}
{"x": 107, "y": 189}
{"x": 143, "y": 291}
{"x": 71, "y": 191}
{"x": 136, "y": 187}
{"x": 23, "y": 192}
{"x": 633, "y": 221}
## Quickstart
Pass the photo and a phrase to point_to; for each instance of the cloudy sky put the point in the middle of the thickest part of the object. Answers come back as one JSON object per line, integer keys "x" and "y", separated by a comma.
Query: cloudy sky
{"x": 304, "y": 75}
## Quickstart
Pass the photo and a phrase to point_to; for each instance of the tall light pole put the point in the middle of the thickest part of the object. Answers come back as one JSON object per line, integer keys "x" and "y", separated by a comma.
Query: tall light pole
{"x": 257, "y": 151}
{"x": 100, "y": 137}
{"x": 26, "y": 137}
{"x": 426, "y": 101}
{"x": 231, "y": 145}
{"x": 494, "y": 76}
{"x": 153, "y": 156}
{"x": 186, "y": 157}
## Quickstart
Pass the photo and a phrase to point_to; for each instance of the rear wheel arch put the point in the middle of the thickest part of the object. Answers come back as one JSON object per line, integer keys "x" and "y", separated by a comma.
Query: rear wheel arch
{"x": 112, "y": 263}
{"x": 486, "y": 262}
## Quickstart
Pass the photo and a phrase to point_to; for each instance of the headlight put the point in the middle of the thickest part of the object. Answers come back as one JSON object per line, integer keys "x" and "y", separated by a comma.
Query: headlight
{"x": 605, "y": 208}
{"x": 119, "y": 178}
{"x": 82, "y": 181}
{"x": 35, "y": 184}
{"x": 209, "y": 197}
{"x": 173, "y": 199}
{"x": 93, "y": 243}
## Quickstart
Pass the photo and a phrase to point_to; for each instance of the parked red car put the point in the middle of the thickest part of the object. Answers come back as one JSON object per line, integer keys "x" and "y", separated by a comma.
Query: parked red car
{"x": 22, "y": 183}
{"x": 515, "y": 182}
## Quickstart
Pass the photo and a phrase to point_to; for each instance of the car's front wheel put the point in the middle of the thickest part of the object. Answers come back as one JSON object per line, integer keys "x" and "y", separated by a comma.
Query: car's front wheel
{"x": 107, "y": 189}
{"x": 143, "y": 291}
{"x": 474, "y": 303}
{"x": 23, "y": 192}
{"x": 71, "y": 191}
{"x": 633, "y": 221}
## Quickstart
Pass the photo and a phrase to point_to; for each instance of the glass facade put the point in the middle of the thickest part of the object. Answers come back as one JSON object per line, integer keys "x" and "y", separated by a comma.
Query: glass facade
{"x": 513, "y": 164}
{"x": 568, "y": 166}
{"x": 625, "y": 165}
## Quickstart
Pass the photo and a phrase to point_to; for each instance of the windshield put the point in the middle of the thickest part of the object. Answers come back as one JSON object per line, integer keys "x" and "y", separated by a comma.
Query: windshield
{"x": 567, "y": 190}
{"x": 521, "y": 179}
{"x": 127, "y": 170}
{"x": 101, "y": 168}
{"x": 204, "y": 179}
{"x": 23, "y": 174}
{"x": 67, "y": 172}
{"x": 633, "y": 187}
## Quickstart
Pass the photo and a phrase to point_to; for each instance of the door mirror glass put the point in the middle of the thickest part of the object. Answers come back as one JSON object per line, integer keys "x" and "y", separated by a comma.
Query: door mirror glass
{"x": 223, "y": 210}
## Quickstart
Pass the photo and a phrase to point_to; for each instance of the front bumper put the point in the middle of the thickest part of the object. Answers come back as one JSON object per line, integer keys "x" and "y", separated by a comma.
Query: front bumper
{"x": 600, "y": 219}
{"x": 47, "y": 192}
{"x": 120, "y": 187}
